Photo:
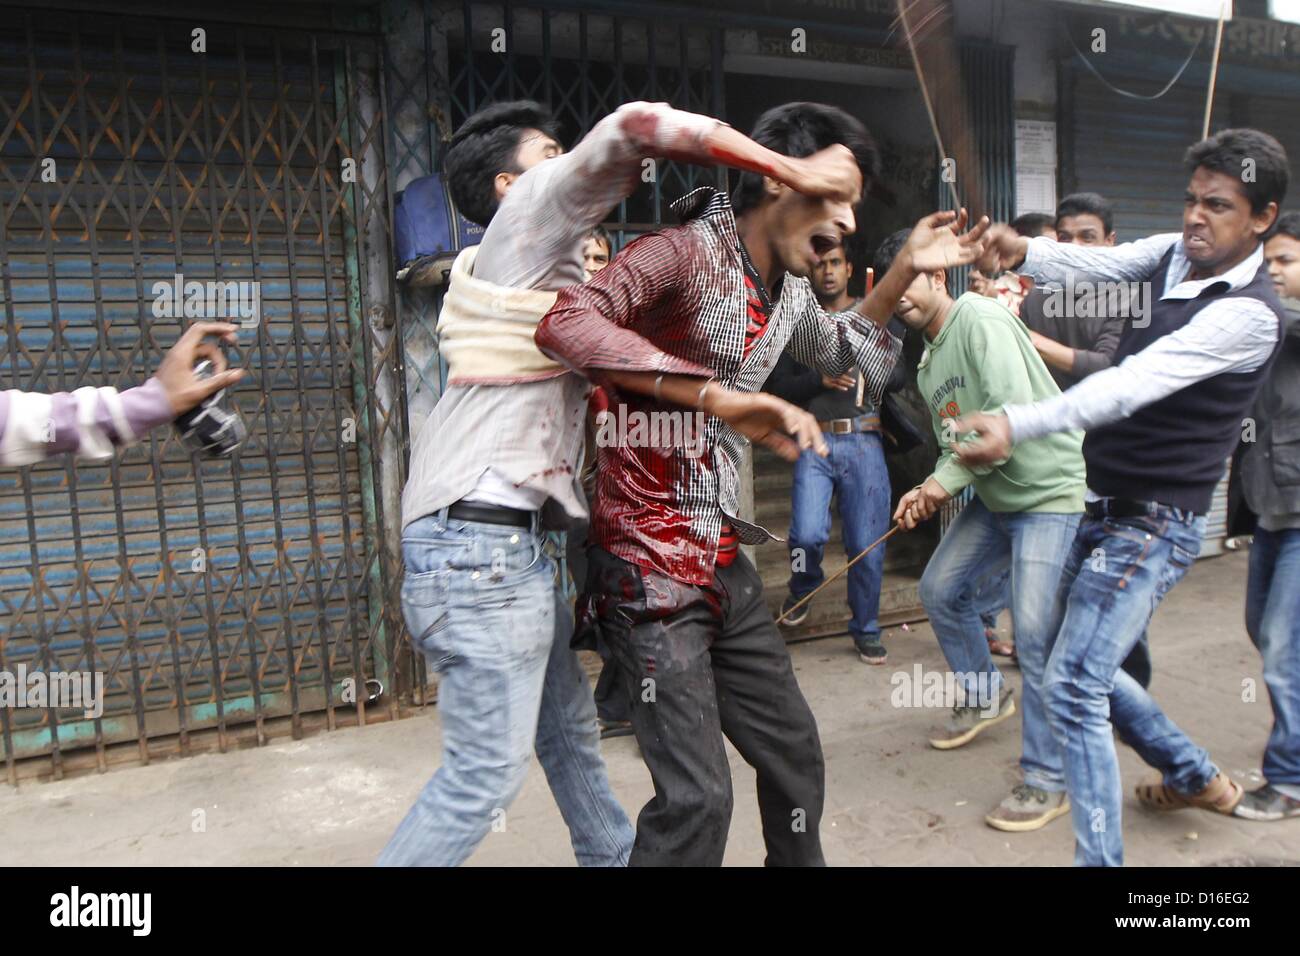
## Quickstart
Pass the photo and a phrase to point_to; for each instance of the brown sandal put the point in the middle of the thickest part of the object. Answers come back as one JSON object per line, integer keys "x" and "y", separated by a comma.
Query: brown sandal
{"x": 1221, "y": 796}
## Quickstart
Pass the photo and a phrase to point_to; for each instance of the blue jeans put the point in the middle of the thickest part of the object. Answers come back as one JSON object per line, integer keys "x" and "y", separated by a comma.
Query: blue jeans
{"x": 1273, "y": 622}
{"x": 992, "y": 596}
{"x": 483, "y": 606}
{"x": 1118, "y": 570}
{"x": 855, "y": 473}
{"x": 977, "y": 545}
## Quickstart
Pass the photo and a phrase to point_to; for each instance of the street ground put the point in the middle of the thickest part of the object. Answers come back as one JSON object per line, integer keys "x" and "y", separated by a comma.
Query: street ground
{"x": 334, "y": 798}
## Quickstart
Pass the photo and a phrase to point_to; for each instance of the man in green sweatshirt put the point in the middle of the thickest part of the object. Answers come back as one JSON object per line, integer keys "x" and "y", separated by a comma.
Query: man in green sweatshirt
{"x": 1023, "y": 516}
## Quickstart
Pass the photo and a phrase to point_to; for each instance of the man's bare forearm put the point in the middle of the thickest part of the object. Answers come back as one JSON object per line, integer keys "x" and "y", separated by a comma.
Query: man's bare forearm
{"x": 1058, "y": 356}
{"x": 684, "y": 390}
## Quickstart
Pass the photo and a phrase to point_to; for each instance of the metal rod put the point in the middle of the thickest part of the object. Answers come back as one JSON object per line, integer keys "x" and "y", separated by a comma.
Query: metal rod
{"x": 866, "y": 551}
{"x": 166, "y": 570}
{"x": 216, "y": 217}
{"x": 322, "y": 153}
{"x": 247, "y": 147}
{"x": 102, "y": 346}
{"x": 45, "y": 638}
{"x": 401, "y": 650}
{"x": 127, "y": 576}
{"x": 307, "y": 434}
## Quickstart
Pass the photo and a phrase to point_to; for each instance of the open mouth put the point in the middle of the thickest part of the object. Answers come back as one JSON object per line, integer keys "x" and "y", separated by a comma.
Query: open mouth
{"x": 1195, "y": 242}
{"x": 823, "y": 243}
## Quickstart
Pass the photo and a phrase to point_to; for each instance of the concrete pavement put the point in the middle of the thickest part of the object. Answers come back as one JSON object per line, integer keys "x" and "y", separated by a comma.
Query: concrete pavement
{"x": 334, "y": 798}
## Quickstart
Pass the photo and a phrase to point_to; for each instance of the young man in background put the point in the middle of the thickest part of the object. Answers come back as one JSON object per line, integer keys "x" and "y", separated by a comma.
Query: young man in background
{"x": 854, "y": 473}
{"x": 1270, "y": 466}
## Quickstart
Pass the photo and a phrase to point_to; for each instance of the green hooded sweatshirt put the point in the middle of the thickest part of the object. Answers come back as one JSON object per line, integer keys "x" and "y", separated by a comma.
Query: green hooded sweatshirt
{"x": 981, "y": 360}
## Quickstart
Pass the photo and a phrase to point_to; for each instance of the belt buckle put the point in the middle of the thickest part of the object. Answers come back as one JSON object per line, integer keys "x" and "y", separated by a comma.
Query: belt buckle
{"x": 842, "y": 426}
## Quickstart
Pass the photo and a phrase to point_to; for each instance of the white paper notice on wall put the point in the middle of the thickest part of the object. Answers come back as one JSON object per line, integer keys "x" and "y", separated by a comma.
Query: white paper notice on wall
{"x": 1035, "y": 166}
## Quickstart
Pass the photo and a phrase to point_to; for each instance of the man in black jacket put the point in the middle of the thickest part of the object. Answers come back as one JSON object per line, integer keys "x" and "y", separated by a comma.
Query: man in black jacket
{"x": 1270, "y": 466}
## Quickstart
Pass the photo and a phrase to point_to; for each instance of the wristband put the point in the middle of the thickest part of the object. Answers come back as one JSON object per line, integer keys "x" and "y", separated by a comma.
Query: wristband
{"x": 699, "y": 399}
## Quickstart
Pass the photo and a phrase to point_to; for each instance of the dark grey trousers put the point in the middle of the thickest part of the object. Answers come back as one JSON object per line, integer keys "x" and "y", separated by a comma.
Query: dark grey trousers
{"x": 698, "y": 664}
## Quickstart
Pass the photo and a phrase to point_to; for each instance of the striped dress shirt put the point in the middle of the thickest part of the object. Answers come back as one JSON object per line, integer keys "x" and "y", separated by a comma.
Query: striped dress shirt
{"x": 674, "y": 301}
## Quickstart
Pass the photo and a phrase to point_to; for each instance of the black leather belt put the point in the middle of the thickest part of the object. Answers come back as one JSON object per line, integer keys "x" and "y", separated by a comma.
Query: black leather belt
{"x": 850, "y": 426}
{"x": 1125, "y": 508}
{"x": 491, "y": 514}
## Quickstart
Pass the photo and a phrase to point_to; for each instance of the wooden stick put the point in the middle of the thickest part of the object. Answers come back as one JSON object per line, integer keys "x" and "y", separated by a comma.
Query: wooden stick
{"x": 925, "y": 95}
{"x": 1214, "y": 70}
{"x": 808, "y": 597}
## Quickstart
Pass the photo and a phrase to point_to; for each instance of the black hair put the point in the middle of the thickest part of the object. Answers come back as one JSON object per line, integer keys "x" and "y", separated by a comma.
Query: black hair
{"x": 599, "y": 233}
{"x": 1033, "y": 224}
{"x": 801, "y": 129}
{"x": 1087, "y": 204}
{"x": 888, "y": 251}
{"x": 1288, "y": 224}
{"x": 1228, "y": 152}
{"x": 487, "y": 144}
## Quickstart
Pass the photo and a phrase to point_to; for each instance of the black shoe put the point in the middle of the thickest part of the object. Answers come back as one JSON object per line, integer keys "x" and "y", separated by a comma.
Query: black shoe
{"x": 799, "y": 616}
{"x": 614, "y": 728}
{"x": 874, "y": 653}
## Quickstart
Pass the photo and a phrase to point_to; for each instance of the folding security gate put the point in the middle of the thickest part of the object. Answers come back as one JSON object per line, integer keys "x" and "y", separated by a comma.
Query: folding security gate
{"x": 135, "y": 155}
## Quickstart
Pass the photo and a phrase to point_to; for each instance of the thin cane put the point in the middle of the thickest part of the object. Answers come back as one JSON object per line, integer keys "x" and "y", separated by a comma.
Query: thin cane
{"x": 879, "y": 541}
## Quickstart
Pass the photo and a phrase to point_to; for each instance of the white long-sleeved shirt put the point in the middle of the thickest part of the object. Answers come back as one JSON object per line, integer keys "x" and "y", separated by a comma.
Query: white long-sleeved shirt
{"x": 89, "y": 422}
{"x": 1228, "y": 335}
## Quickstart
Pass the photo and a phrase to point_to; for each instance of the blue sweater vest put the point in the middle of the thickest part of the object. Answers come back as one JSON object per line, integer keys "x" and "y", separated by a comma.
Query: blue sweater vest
{"x": 1173, "y": 451}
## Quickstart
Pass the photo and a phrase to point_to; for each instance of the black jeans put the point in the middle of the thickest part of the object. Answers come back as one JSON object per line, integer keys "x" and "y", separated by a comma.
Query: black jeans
{"x": 698, "y": 663}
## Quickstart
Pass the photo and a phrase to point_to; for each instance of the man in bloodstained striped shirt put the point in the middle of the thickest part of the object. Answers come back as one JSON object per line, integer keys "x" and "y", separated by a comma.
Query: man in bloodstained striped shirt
{"x": 682, "y": 322}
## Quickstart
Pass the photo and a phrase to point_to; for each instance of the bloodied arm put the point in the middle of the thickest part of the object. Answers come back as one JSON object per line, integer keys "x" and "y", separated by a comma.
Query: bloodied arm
{"x": 560, "y": 200}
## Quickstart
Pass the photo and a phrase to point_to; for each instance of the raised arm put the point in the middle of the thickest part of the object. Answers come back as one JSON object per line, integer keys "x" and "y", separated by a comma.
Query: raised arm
{"x": 564, "y": 197}
{"x": 1047, "y": 260}
{"x": 831, "y": 343}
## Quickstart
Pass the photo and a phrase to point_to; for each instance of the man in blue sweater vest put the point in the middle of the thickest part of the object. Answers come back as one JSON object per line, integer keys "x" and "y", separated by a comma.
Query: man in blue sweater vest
{"x": 1160, "y": 424}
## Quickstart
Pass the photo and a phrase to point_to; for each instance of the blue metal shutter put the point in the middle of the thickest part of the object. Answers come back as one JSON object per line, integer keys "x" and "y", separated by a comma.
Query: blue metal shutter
{"x": 223, "y": 166}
